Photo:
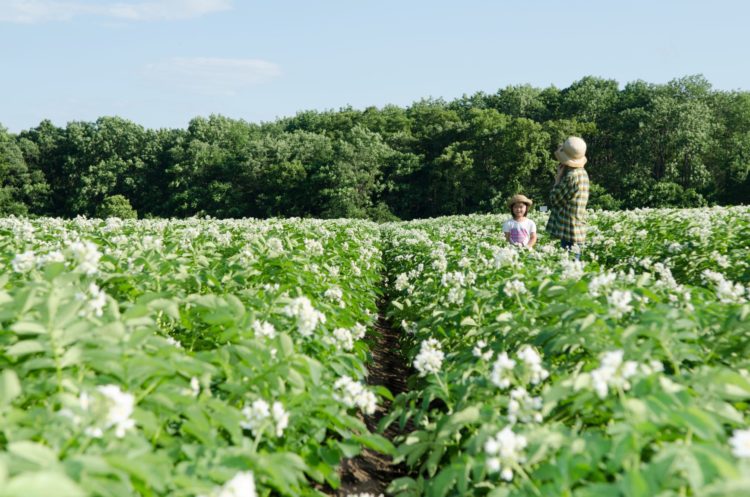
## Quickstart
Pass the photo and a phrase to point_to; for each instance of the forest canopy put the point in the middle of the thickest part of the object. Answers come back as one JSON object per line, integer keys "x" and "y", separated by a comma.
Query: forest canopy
{"x": 678, "y": 144}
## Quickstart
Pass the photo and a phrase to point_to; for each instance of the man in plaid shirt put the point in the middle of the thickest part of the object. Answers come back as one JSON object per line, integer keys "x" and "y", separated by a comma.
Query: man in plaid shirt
{"x": 568, "y": 198}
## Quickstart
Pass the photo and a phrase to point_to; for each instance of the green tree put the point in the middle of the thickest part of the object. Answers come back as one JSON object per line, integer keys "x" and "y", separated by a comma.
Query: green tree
{"x": 116, "y": 206}
{"x": 15, "y": 179}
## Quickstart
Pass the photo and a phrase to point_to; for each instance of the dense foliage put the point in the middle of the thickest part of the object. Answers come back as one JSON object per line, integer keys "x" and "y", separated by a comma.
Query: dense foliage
{"x": 676, "y": 144}
{"x": 178, "y": 358}
{"x": 537, "y": 375}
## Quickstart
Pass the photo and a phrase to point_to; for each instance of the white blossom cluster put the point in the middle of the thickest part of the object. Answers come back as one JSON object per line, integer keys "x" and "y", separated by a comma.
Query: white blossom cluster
{"x": 601, "y": 282}
{"x": 514, "y": 287}
{"x": 614, "y": 373}
{"x": 195, "y": 388}
{"x": 241, "y": 485}
{"x": 504, "y": 372}
{"x": 260, "y": 415}
{"x": 343, "y": 339}
{"x": 121, "y": 406}
{"x": 430, "y": 357}
{"x": 479, "y": 352}
{"x": 305, "y": 314}
{"x": 336, "y": 295}
{"x": 24, "y": 262}
{"x": 95, "y": 299}
{"x": 619, "y": 302}
{"x": 523, "y": 407}
{"x": 112, "y": 408}
{"x": 533, "y": 364}
{"x": 726, "y": 291}
{"x": 740, "y": 442}
{"x": 504, "y": 256}
{"x": 263, "y": 329}
{"x": 275, "y": 246}
{"x": 504, "y": 452}
{"x": 149, "y": 242}
{"x": 572, "y": 268}
{"x": 86, "y": 254}
{"x": 354, "y": 394}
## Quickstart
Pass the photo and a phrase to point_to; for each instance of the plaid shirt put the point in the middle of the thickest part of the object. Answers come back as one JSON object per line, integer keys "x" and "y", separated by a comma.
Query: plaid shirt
{"x": 567, "y": 220}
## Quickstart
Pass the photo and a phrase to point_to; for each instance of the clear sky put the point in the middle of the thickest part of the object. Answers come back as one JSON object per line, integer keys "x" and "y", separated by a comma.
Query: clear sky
{"x": 160, "y": 63}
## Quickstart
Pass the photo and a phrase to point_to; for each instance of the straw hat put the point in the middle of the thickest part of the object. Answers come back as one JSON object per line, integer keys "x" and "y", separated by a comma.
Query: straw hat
{"x": 519, "y": 199}
{"x": 572, "y": 152}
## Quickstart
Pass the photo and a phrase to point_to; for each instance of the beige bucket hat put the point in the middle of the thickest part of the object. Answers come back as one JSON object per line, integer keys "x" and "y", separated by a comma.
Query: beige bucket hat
{"x": 572, "y": 152}
{"x": 519, "y": 199}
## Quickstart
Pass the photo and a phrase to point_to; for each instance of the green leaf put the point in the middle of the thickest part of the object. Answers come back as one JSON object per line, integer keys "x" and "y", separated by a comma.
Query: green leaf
{"x": 25, "y": 347}
{"x": 42, "y": 484}
{"x": 468, "y": 321}
{"x": 37, "y": 454}
{"x": 28, "y": 328}
{"x": 376, "y": 442}
{"x": 633, "y": 484}
{"x": 10, "y": 387}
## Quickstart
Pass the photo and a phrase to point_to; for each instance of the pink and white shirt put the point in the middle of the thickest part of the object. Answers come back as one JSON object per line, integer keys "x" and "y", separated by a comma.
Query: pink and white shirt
{"x": 520, "y": 231}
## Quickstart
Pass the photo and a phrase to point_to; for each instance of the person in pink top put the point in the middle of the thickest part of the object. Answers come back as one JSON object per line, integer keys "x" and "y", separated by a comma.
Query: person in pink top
{"x": 520, "y": 230}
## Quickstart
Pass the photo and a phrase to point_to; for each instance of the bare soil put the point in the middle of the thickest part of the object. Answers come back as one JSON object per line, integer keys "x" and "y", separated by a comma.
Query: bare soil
{"x": 371, "y": 471}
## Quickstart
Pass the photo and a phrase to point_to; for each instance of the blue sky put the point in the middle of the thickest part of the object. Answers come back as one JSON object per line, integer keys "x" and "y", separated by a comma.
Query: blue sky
{"x": 160, "y": 63}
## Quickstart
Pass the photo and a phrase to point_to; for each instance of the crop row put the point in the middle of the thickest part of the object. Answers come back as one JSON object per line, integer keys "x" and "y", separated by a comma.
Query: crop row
{"x": 536, "y": 375}
{"x": 183, "y": 358}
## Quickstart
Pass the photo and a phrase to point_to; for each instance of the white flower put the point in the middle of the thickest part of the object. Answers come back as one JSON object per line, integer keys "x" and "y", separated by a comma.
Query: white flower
{"x": 456, "y": 295}
{"x": 95, "y": 299}
{"x": 259, "y": 412}
{"x": 263, "y": 329}
{"x": 504, "y": 256}
{"x": 505, "y": 450}
{"x": 612, "y": 372}
{"x": 23, "y": 262}
{"x": 335, "y": 294}
{"x": 354, "y": 394}
{"x": 533, "y": 362}
{"x": 242, "y": 485}
{"x": 523, "y": 407}
{"x": 120, "y": 408}
{"x": 306, "y": 315}
{"x": 514, "y": 287}
{"x": 600, "y": 282}
{"x": 343, "y": 338}
{"x": 255, "y": 414}
{"x": 275, "y": 246}
{"x": 280, "y": 418}
{"x": 54, "y": 256}
{"x": 430, "y": 357}
{"x": 402, "y": 282}
{"x": 87, "y": 256}
{"x": 477, "y": 351}
{"x": 313, "y": 247}
{"x": 740, "y": 443}
{"x": 619, "y": 302}
{"x": 502, "y": 371}
{"x": 358, "y": 331}
{"x": 572, "y": 268}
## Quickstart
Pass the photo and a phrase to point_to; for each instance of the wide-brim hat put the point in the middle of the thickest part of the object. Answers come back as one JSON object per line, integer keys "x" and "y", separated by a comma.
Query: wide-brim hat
{"x": 520, "y": 199}
{"x": 572, "y": 152}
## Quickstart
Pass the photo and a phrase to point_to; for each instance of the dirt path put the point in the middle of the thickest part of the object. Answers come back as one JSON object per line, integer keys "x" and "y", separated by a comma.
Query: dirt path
{"x": 372, "y": 472}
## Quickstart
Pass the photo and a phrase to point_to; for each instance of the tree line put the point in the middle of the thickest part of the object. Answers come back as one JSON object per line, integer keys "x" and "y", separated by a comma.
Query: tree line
{"x": 679, "y": 144}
